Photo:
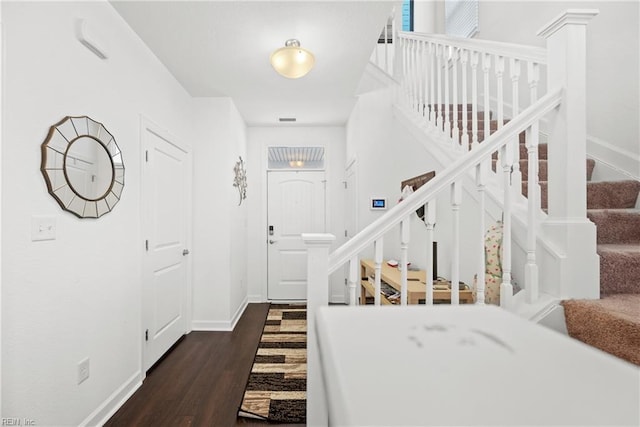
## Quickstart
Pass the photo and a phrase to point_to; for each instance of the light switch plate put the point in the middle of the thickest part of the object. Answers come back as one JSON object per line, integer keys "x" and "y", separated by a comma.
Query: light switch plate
{"x": 43, "y": 228}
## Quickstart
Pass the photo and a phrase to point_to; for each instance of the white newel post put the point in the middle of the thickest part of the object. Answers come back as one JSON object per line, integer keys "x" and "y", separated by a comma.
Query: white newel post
{"x": 317, "y": 296}
{"x": 567, "y": 222}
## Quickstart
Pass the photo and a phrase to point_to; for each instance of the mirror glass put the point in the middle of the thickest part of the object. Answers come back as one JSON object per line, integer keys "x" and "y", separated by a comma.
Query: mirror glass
{"x": 88, "y": 168}
{"x": 82, "y": 166}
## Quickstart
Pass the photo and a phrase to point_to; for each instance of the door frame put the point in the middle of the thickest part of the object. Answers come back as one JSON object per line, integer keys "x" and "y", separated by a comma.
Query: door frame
{"x": 264, "y": 164}
{"x": 148, "y": 126}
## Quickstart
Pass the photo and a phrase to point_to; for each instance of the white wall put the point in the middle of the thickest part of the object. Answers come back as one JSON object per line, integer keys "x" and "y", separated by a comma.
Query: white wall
{"x": 386, "y": 154}
{"x": 428, "y": 16}
{"x": 219, "y": 284}
{"x": 258, "y": 139}
{"x": 613, "y": 46}
{"x": 80, "y": 295}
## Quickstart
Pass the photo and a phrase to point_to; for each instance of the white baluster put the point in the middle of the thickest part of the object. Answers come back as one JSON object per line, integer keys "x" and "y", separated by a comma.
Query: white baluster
{"x": 432, "y": 77}
{"x": 533, "y": 76}
{"x": 405, "y": 71}
{"x": 447, "y": 104}
{"x": 378, "y": 268}
{"x": 506, "y": 288}
{"x": 464, "y": 58}
{"x": 354, "y": 266}
{"x": 456, "y": 200}
{"x": 425, "y": 79}
{"x": 474, "y": 99}
{"x": 486, "y": 66}
{"x": 412, "y": 73}
{"x": 386, "y": 47}
{"x": 404, "y": 259}
{"x": 430, "y": 222}
{"x": 516, "y": 174}
{"x": 416, "y": 75}
{"x": 398, "y": 58}
{"x": 533, "y": 191}
{"x": 409, "y": 74}
{"x": 394, "y": 37}
{"x": 499, "y": 70}
{"x": 533, "y": 206}
{"x": 420, "y": 79}
{"x": 439, "y": 116}
{"x": 480, "y": 184}
{"x": 455, "y": 131}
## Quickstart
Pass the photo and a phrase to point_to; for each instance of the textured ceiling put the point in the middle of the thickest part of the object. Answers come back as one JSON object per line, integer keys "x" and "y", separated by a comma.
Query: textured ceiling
{"x": 222, "y": 48}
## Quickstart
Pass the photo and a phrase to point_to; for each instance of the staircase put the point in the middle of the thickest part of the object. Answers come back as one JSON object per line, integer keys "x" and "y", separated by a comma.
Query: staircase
{"x": 612, "y": 323}
{"x": 451, "y": 94}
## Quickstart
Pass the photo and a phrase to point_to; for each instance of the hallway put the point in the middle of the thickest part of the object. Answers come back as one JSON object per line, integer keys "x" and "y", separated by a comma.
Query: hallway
{"x": 200, "y": 382}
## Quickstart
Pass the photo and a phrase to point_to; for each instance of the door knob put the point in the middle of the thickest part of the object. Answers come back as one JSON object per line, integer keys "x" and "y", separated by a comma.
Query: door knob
{"x": 185, "y": 252}
{"x": 271, "y": 242}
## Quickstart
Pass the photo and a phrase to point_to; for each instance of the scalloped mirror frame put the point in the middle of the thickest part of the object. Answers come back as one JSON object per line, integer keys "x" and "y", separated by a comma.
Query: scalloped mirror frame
{"x": 57, "y": 160}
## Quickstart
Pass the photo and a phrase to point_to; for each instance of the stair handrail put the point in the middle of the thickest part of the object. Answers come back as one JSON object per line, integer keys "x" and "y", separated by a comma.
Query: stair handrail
{"x": 457, "y": 168}
{"x": 509, "y": 50}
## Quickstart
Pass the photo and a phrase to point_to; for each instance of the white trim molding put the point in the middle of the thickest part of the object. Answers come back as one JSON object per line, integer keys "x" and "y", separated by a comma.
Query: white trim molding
{"x": 220, "y": 325}
{"x": 571, "y": 17}
{"x": 622, "y": 161}
{"x": 114, "y": 402}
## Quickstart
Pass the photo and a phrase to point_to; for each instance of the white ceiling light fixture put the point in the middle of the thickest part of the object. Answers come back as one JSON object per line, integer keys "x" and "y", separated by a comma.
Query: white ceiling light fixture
{"x": 292, "y": 61}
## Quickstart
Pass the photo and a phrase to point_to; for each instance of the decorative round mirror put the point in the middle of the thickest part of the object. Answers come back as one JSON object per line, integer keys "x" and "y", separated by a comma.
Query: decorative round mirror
{"x": 83, "y": 168}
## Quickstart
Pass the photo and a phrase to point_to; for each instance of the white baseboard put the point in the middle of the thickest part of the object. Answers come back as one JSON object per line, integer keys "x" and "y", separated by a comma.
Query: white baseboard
{"x": 618, "y": 162}
{"x": 211, "y": 325}
{"x": 114, "y": 402}
{"x": 238, "y": 314}
{"x": 256, "y": 299}
{"x": 220, "y": 325}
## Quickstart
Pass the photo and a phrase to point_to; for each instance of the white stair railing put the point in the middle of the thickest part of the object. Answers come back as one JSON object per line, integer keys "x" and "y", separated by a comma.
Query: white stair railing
{"x": 321, "y": 264}
{"x": 455, "y": 82}
{"x": 565, "y": 57}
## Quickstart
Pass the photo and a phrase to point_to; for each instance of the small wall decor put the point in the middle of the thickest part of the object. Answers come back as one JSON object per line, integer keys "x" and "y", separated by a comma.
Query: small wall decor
{"x": 415, "y": 183}
{"x": 82, "y": 166}
{"x": 240, "y": 179}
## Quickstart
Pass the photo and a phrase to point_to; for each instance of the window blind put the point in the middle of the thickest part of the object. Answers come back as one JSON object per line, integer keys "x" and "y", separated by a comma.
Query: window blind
{"x": 461, "y": 17}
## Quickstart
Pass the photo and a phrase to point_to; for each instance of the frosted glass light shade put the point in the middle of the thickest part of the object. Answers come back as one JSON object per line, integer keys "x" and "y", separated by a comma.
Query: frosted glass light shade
{"x": 292, "y": 61}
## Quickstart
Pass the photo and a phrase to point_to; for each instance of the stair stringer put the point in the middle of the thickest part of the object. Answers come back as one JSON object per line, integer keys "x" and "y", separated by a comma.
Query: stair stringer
{"x": 550, "y": 258}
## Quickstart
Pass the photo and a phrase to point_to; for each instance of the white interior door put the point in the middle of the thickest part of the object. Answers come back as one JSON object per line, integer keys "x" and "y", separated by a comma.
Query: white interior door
{"x": 166, "y": 184}
{"x": 296, "y": 205}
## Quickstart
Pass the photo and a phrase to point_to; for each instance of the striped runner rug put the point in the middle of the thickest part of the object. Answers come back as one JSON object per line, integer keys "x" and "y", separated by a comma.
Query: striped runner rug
{"x": 277, "y": 384}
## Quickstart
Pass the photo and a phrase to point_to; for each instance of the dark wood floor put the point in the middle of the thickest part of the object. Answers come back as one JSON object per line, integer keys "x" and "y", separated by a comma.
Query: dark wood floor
{"x": 201, "y": 381}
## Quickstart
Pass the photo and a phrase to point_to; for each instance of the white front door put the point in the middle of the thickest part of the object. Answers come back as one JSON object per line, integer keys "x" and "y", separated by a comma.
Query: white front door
{"x": 166, "y": 212}
{"x": 296, "y": 205}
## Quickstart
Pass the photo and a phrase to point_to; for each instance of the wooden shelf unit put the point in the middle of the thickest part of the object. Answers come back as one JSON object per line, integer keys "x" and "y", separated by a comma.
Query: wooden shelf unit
{"x": 416, "y": 285}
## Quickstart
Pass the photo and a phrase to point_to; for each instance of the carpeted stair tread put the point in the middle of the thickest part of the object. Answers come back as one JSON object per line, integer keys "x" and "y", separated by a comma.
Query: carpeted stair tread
{"x": 616, "y": 225}
{"x": 619, "y": 268}
{"x": 611, "y": 324}
{"x": 543, "y": 169}
{"x": 481, "y": 135}
{"x": 601, "y": 195}
{"x": 612, "y": 194}
{"x": 493, "y": 124}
